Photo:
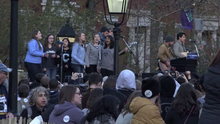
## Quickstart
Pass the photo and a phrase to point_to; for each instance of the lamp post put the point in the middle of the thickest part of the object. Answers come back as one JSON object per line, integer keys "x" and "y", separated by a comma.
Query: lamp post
{"x": 118, "y": 7}
{"x": 65, "y": 32}
{"x": 13, "y": 63}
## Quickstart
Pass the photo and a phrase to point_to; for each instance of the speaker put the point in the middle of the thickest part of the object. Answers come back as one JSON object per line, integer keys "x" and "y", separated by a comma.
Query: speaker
{"x": 198, "y": 24}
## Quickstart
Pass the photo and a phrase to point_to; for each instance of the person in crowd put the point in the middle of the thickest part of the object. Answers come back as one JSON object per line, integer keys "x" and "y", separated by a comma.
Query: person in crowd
{"x": 5, "y": 110}
{"x": 126, "y": 115}
{"x": 194, "y": 82}
{"x": 50, "y": 63}
{"x": 185, "y": 108}
{"x": 126, "y": 82}
{"x": 95, "y": 94}
{"x": 36, "y": 83}
{"x": 78, "y": 54}
{"x": 103, "y": 34}
{"x": 44, "y": 82}
{"x": 179, "y": 47}
{"x": 110, "y": 82}
{"x": 95, "y": 81}
{"x": 92, "y": 54}
{"x": 67, "y": 111}
{"x": 38, "y": 101}
{"x": 144, "y": 108}
{"x": 165, "y": 52}
{"x": 167, "y": 90}
{"x": 54, "y": 93}
{"x": 107, "y": 57}
{"x": 67, "y": 70}
{"x": 22, "y": 101}
{"x": 210, "y": 111}
{"x": 109, "y": 89}
{"x": 23, "y": 81}
{"x": 103, "y": 111}
{"x": 34, "y": 55}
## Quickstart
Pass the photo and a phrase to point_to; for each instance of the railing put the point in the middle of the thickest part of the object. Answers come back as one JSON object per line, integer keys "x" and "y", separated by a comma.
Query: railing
{"x": 16, "y": 121}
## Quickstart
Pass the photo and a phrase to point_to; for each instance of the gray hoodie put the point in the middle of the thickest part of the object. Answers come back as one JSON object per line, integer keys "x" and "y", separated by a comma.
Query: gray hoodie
{"x": 66, "y": 113}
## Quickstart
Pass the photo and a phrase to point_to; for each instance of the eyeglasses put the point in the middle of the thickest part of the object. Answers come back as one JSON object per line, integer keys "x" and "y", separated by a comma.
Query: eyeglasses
{"x": 78, "y": 93}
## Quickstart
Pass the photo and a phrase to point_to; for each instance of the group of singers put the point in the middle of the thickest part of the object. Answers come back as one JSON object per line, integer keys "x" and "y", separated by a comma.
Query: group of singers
{"x": 98, "y": 56}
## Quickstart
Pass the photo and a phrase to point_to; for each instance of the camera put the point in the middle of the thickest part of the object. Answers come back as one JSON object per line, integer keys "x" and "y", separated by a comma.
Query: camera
{"x": 80, "y": 75}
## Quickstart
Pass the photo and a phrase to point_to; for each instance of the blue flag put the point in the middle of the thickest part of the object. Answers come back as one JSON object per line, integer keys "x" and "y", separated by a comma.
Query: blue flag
{"x": 187, "y": 19}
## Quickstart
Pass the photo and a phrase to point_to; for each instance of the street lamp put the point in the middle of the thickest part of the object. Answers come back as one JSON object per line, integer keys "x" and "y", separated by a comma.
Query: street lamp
{"x": 118, "y": 7}
{"x": 65, "y": 32}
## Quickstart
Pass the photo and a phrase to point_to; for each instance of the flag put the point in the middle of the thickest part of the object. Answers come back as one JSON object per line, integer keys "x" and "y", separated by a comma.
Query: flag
{"x": 187, "y": 19}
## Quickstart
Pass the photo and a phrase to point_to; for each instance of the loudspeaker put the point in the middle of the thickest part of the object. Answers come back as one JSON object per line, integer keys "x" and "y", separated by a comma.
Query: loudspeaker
{"x": 198, "y": 24}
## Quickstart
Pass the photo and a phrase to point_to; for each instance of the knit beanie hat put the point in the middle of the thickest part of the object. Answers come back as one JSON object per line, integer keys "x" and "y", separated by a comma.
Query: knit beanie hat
{"x": 167, "y": 85}
{"x": 169, "y": 38}
{"x": 150, "y": 87}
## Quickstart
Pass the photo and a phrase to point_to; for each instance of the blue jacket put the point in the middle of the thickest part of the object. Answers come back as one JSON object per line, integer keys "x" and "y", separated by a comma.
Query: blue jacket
{"x": 78, "y": 54}
{"x": 34, "y": 54}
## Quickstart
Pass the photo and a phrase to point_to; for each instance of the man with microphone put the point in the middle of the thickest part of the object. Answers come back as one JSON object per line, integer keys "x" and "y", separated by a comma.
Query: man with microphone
{"x": 179, "y": 47}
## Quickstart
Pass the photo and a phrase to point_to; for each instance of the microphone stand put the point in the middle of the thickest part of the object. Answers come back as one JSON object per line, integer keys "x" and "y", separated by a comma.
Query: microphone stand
{"x": 196, "y": 49}
{"x": 128, "y": 46}
{"x": 61, "y": 64}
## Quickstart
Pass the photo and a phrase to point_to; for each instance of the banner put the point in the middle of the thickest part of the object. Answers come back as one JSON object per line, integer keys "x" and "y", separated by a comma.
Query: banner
{"x": 187, "y": 19}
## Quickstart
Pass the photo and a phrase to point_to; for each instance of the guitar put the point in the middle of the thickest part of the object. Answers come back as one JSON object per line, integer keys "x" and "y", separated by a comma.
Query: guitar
{"x": 164, "y": 67}
{"x": 132, "y": 44}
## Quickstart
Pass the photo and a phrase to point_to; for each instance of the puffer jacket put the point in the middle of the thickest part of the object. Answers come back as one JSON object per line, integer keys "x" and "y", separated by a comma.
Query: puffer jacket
{"x": 211, "y": 109}
{"x": 145, "y": 112}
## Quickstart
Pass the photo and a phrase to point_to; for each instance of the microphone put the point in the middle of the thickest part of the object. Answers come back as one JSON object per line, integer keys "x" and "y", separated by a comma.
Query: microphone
{"x": 192, "y": 41}
{"x": 122, "y": 36}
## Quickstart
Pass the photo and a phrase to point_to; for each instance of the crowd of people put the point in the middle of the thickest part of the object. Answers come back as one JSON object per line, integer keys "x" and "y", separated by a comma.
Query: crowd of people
{"x": 99, "y": 96}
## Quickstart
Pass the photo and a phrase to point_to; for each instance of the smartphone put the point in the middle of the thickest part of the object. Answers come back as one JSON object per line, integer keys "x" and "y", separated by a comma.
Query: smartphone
{"x": 80, "y": 75}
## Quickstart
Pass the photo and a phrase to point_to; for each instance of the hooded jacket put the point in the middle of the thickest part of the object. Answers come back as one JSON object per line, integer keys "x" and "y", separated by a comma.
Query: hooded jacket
{"x": 66, "y": 113}
{"x": 211, "y": 111}
{"x": 145, "y": 112}
{"x": 126, "y": 82}
{"x": 54, "y": 97}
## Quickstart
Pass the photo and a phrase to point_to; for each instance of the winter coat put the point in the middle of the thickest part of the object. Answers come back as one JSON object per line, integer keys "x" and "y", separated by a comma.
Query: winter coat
{"x": 145, "y": 112}
{"x": 54, "y": 97}
{"x": 211, "y": 109}
{"x": 66, "y": 113}
{"x": 172, "y": 117}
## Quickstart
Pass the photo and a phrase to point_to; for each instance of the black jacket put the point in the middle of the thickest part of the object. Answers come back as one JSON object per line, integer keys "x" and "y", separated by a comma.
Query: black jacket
{"x": 172, "y": 117}
{"x": 211, "y": 109}
{"x": 54, "y": 97}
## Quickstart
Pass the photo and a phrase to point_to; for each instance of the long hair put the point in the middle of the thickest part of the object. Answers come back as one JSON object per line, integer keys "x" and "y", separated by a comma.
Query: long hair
{"x": 94, "y": 94}
{"x": 105, "y": 105}
{"x": 111, "y": 43}
{"x": 185, "y": 99}
{"x": 93, "y": 41}
{"x": 46, "y": 42}
{"x": 67, "y": 93}
{"x": 131, "y": 97}
{"x": 215, "y": 59}
{"x": 69, "y": 45}
{"x": 33, "y": 36}
{"x": 35, "y": 92}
